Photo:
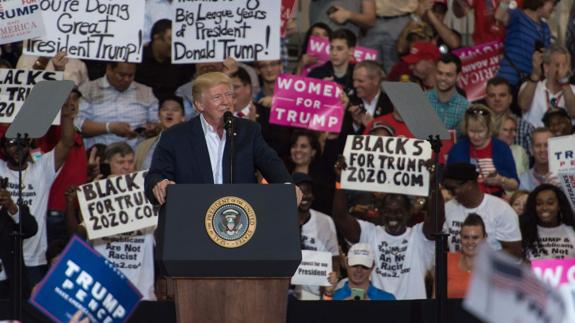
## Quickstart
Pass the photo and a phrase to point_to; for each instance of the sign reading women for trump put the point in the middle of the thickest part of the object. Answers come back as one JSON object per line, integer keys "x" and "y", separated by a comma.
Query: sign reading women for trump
{"x": 307, "y": 103}
{"x": 15, "y": 85}
{"x": 116, "y": 205}
{"x": 318, "y": 47}
{"x": 386, "y": 164}
{"x": 84, "y": 280}
{"x": 211, "y": 31}
{"x": 20, "y": 20}
{"x": 109, "y": 30}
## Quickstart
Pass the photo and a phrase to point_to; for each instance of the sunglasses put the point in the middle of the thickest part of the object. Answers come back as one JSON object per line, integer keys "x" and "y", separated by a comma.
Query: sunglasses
{"x": 477, "y": 111}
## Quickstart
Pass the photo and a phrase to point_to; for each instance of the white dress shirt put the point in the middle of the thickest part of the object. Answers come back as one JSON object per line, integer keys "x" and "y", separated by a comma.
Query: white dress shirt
{"x": 215, "y": 149}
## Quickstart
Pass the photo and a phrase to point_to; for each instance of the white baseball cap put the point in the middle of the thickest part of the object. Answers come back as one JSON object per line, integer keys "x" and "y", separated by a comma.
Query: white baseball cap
{"x": 360, "y": 254}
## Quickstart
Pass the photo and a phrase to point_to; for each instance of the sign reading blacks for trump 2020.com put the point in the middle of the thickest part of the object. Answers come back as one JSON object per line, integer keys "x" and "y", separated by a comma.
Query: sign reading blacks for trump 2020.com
{"x": 211, "y": 31}
{"x": 386, "y": 164}
{"x": 109, "y": 30}
{"x": 84, "y": 280}
{"x": 116, "y": 205}
{"x": 15, "y": 85}
{"x": 307, "y": 103}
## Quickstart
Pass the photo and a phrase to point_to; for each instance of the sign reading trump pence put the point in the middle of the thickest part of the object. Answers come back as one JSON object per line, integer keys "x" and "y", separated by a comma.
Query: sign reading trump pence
{"x": 307, "y": 103}
{"x": 386, "y": 164}
{"x": 211, "y": 31}
{"x": 20, "y": 20}
{"x": 84, "y": 280}
{"x": 91, "y": 29}
{"x": 116, "y": 205}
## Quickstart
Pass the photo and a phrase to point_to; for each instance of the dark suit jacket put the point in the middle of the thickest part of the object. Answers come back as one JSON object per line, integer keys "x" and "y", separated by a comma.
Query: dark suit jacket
{"x": 182, "y": 156}
{"x": 7, "y": 226}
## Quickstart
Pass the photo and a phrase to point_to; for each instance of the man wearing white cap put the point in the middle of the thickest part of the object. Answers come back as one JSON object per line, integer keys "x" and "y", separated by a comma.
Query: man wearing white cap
{"x": 360, "y": 264}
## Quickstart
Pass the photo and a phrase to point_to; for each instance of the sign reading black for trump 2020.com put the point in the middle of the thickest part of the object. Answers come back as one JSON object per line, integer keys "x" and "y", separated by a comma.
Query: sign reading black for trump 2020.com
{"x": 116, "y": 205}
{"x": 15, "y": 86}
{"x": 109, "y": 30}
{"x": 212, "y": 30}
{"x": 386, "y": 164}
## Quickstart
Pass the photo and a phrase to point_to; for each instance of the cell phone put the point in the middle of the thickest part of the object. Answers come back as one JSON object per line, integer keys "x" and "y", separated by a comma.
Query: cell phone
{"x": 105, "y": 170}
{"x": 3, "y": 182}
{"x": 139, "y": 130}
{"x": 358, "y": 294}
{"x": 331, "y": 10}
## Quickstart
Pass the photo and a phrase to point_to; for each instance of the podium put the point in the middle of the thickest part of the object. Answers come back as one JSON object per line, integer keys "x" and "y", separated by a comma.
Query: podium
{"x": 230, "y": 250}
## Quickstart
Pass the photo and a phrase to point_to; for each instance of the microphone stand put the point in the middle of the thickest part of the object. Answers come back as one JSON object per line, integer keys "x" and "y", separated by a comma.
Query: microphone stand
{"x": 230, "y": 129}
{"x": 18, "y": 266}
{"x": 440, "y": 241}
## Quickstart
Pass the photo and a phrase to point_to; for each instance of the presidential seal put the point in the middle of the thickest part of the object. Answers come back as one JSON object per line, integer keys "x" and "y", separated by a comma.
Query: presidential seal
{"x": 230, "y": 222}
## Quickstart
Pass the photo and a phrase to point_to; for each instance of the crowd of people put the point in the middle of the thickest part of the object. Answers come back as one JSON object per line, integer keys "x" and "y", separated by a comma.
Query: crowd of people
{"x": 496, "y": 185}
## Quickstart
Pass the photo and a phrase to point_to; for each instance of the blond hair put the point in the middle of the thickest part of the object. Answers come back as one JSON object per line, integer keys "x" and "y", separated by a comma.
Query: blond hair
{"x": 478, "y": 113}
{"x": 207, "y": 81}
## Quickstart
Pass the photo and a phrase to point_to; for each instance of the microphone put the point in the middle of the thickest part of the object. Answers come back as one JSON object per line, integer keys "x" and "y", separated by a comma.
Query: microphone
{"x": 228, "y": 122}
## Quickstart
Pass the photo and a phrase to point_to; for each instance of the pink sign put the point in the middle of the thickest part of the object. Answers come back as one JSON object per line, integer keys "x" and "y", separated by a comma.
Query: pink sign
{"x": 319, "y": 48}
{"x": 478, "y": 65}
{"x": 555, "y": 271}
{"x": 307, "y": 103}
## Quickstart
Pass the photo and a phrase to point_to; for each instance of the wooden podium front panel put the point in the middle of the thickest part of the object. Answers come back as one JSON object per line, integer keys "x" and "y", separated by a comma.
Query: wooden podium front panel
{"x": 234, "y": 300}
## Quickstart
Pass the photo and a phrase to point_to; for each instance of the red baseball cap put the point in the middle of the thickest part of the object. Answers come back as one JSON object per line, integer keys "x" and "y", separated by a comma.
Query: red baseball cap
{"x": 420, "y": 51}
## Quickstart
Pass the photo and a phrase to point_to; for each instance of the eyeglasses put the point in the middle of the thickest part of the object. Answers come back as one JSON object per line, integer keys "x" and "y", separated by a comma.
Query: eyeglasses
{"x": 477, "y": 111}
{"x": 218, "y": 98}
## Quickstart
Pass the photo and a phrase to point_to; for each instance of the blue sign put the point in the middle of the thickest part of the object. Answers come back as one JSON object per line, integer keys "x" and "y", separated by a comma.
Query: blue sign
{"x": 82, "y": 279}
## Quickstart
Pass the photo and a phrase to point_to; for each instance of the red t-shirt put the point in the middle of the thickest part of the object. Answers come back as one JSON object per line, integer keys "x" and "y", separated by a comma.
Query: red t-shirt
{"x": 486, "y": 28}
{"x": 483, "y": 160}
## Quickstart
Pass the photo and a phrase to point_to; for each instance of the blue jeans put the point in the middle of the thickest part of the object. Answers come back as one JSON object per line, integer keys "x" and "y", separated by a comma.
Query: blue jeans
{"x": 382, "y": 36}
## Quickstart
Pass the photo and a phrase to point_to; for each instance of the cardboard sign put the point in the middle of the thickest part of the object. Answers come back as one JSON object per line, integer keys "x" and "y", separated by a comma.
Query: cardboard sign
{"x": 478, "y": 65}
{"x": 502, "y": 290}
{"x": 314, "y": 269}
{"x": 567, "y": 180}
{"x": 20, "y": 20}
{"x": 15, "y": 85}
{"x": 211, "y": 31}
{"x": 307, "y": 103}
{"x": 386, "y": 164}
{"x": 91, "y": 29}
{"x": 561, "y": 152}
{"x": 319, "y": 47}
{"x": 116, "y": 205}
{"x": 83, "y": 280}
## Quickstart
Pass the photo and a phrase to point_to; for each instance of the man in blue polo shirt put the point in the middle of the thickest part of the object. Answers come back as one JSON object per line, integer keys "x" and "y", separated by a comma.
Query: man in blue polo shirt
{"x": 360, "y": 264}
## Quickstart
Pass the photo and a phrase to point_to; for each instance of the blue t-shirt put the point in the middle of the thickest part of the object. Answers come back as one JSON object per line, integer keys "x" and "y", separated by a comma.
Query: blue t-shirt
{"x": 373, "y": 293}
{"x": 520, "y": 37}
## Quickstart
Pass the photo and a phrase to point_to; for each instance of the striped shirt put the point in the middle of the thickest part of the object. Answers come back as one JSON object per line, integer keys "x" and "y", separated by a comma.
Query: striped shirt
{"x": 101, "y": 102}
{"x": 520, "y": 37}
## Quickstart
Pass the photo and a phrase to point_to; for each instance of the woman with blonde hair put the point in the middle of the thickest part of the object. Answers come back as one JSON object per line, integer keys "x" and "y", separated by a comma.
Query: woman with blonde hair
{"x": 491, "y": 156}
{"x": 506, "y": 131}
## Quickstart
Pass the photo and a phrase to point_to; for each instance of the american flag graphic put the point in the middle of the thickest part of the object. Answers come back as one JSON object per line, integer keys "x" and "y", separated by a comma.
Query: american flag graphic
{"x": 508, "y": 276}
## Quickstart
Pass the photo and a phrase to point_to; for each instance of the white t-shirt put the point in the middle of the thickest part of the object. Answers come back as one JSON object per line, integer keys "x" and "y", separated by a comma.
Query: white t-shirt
{"x": 133, "y": 254}
{"x": 401, "y": 262}
{"x": 501, "y": 221}
{"x": 528, "y": 181}
{"x": 318, "y": 234}
{"x": 540, "y": 103}
{"x": 37, "y": 179}
{"x": 559, "y": 242}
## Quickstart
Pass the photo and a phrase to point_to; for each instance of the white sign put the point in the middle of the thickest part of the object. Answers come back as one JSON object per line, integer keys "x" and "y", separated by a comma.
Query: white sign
{"x": 20, "y": 20}
{"x": 314, "y": 269}
{"x": 567, "y": 180}
{"x": 386, "y": 164}
{"x": 116, "y": 205}
{"x": 501, "y": 290}
{"x": 561, "y": 152}
{"x": 109, "y": 30}
{"x": 211, "y": 31}
{"x": 15, "y": 85}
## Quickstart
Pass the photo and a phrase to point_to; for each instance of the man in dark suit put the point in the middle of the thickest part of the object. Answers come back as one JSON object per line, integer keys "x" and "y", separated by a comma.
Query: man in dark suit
{"x": 198, "y": 151}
